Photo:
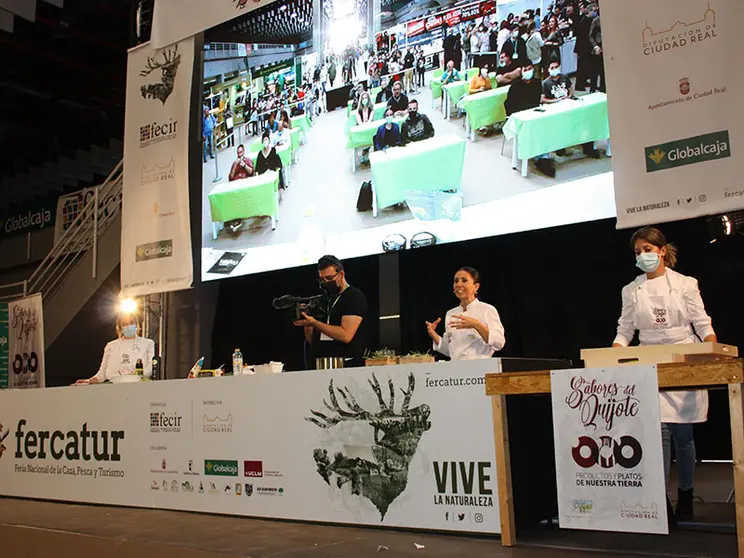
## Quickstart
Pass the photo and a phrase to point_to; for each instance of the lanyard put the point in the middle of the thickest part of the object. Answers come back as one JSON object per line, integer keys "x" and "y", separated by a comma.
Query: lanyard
{"x": 332, "y": 306}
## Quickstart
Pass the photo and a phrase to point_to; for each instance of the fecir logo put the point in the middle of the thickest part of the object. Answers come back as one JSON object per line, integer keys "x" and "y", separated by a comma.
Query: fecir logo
{"x": 151, "y": 134}
{"x": 221, "y": 468}
{"x": 688, "y": 151}
{"x": 154, "y": 250}
{"x": 165, "y": 422}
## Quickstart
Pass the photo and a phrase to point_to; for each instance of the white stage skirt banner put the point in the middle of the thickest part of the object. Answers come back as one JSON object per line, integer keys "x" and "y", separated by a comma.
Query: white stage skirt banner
{"x": 609, "y": 465}
{"x": 175, "y": 20}
{"x": 26, "y": 343}
{"x": 155, "y": 232}
{"x": 399, "y": 446}
{"x": 674, "y": 107}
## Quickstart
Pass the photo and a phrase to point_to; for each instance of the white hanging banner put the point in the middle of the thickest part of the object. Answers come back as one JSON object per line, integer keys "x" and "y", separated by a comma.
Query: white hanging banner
{"x": 174, "y": 20}
{"x": 609, "y": 464}
{"x": 26, "y": 343}
{"x": 674, "y": 107}
{"x": 155, "y": 231}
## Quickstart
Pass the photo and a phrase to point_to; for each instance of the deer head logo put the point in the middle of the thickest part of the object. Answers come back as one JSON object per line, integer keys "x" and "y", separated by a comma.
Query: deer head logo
{"x": 382, "y": 476}
{"x": 168, "y": 70}
{"x": 3, "y": 435}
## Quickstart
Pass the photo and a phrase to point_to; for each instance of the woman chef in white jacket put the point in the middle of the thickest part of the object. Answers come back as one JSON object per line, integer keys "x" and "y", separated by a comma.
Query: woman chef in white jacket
{"x": 121, "y": 355}
{"x": 471, "y": 330}
{"x": 664, "y": 306}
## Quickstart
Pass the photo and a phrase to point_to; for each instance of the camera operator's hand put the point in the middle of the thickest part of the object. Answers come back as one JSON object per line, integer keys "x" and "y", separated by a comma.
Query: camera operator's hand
{"x": 307, "y": 321}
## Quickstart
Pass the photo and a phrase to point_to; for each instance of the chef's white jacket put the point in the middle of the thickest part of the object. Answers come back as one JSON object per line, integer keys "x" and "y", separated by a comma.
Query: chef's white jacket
{"x": 467, "y": 344}
{"x": 664, "y": 310}
{"x": 120, "y": 357}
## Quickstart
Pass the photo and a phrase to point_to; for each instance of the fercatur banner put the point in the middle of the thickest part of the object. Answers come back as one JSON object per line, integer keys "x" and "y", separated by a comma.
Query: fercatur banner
{"x": 155, "y": 224}
{"x": 674, "y": 107}
{"x": 399, "y": 446}
{"x": 609, "y": 465}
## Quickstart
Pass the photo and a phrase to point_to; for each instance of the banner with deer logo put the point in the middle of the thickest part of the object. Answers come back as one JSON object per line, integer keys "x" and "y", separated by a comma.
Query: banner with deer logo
{"x": 174, "y": 20}
{"x": 156, "y": 238}
{"x": 673, "y": 101}
{"x": 395, "y": 446}
{"x": 608, "y": 455}
{"x": 26, "y": 343}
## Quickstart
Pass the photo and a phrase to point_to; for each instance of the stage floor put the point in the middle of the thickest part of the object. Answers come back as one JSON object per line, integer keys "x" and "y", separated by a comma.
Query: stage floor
{"x": 34, "y": 529}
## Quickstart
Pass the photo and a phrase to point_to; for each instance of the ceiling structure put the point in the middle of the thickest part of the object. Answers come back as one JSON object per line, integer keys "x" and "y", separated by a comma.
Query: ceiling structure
{"x": 281, "y": 22}
{"x": 62, "y": 96}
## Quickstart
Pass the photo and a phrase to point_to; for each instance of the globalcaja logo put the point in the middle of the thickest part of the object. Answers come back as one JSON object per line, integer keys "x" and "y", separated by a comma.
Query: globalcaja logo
{"x": 688, "y": 151}
{"x": 679, "y": 34}
{"x": 221, "y": 468}
{"x": 167, "y": 62}
{"x": 156, "y": 132}
{"x": 162, "y": 421}
{"x": 154, "y": 250}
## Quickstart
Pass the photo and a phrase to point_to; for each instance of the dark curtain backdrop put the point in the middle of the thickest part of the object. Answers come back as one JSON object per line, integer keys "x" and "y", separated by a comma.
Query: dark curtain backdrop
{"x": 558, "y": 291}
{"x": 245, "y": 318}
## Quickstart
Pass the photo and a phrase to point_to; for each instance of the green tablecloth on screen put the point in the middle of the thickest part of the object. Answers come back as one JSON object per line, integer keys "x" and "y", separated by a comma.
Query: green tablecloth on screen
{"x": 562, "y": 125}
{"x": 428, "y": 165}
{"x": 436, "y": 88}
{"x": 294, "y": 136}
{"x": 284, "y": 152}
{"x": 457, "y": 89}
{"x": 351, "y": 121}
{"x": 486, "y": 108}
{"x": 301, "y": 121}
{"x": 363, "y": 134}
{"x": 249, "y": 197}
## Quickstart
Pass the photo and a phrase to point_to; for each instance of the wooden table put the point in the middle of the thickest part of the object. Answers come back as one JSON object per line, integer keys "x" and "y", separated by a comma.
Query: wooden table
{"x": 677, "y": 375}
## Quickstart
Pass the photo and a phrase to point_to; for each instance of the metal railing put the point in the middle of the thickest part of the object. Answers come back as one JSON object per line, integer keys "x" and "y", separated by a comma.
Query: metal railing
{"x": 13, "y": 290}
{"x": 82, "y": 235}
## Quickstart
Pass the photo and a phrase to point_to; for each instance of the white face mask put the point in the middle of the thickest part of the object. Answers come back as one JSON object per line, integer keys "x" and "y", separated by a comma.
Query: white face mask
{"x": 484, "y": 72}
{"x": 554, "y": 72}
{"x": 266, "y": 142}
{"x": 527, "y": 74}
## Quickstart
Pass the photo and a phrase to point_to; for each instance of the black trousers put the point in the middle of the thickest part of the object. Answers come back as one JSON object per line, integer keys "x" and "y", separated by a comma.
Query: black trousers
{"x": 597, "y": 73}
{"x": 582, "y": 72}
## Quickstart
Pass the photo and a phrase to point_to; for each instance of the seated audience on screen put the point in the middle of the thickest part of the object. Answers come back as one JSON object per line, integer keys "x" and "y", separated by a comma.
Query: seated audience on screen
{"x": 271, "y": 124}
{"x": 365, "y": 112}
{"x": 399, "y": 101}
{"x": 480, "y": 82}
{"x": 507, "y": 71}
{"x": 388, "y": 135}
{"x": 286, "y": 120}
{"x": 417, "y": 126}
{"x": 268, "y": 159}
{"x": 281, "y": 136}
{"x": 384, "y": 94}
{"x": 242, "y": 167}
{"x": 524, "y": 93}
{"x": 450, "y": 74}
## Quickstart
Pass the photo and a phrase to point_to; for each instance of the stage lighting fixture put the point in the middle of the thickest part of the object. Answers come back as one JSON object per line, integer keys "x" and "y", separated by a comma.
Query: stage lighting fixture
{"x": 128, "y": 306}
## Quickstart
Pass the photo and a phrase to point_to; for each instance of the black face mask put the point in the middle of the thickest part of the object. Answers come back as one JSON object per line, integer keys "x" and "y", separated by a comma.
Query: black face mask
{"x": 330, "y": 288}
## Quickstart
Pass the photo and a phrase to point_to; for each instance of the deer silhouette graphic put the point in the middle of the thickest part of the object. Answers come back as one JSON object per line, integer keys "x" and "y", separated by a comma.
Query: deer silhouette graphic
{"x": 169, "y": 70}
{"x": 396, "y": 438}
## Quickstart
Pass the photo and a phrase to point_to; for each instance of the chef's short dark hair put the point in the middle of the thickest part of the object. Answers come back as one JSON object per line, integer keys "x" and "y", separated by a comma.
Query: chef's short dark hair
{"x": 330, "y": 261}
{"x": 123, "y": 316}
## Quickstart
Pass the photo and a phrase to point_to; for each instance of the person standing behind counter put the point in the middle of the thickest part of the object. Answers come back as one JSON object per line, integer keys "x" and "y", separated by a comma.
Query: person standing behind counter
{"x": 473, "y": 329}
{"x": 339, "y": 335}
{"x": 664, "y": 306}
{"x": 121, "y": 355}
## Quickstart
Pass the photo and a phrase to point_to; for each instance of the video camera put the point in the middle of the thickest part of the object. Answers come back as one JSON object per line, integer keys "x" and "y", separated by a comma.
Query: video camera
{"x": 316, "y": 306}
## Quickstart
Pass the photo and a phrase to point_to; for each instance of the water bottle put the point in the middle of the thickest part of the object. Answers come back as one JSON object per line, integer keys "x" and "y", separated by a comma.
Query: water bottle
{"x": 237, "y": 363}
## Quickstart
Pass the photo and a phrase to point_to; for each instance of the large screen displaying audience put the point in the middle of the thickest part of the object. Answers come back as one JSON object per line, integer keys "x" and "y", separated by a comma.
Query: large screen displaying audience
{"x": 465, "y": 124}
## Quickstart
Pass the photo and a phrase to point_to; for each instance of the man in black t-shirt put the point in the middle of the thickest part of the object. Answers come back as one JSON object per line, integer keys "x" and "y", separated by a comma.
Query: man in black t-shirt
{"x": 339, "y": 335}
